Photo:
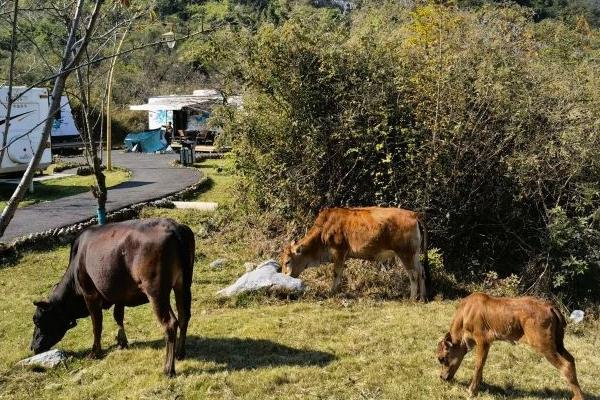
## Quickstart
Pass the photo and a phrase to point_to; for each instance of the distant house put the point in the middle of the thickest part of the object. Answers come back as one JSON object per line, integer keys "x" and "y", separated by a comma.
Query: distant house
{"x": 187, "y": 113}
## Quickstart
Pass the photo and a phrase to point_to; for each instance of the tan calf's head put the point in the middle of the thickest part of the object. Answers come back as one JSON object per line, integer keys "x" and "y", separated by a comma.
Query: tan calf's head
{"x": 450, "y": 355}
{"x": 292, "y": 262}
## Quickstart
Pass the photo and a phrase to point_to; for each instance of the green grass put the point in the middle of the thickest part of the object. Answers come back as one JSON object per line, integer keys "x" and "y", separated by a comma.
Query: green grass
{"x": 333, "y": 349}
{"x": 61, "y": 187}
{"x": 264, "y": 348}
{"x": 221, "y": 180}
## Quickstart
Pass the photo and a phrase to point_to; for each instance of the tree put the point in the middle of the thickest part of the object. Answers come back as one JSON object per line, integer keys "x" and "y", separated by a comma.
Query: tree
{"x": 75, "y": 46}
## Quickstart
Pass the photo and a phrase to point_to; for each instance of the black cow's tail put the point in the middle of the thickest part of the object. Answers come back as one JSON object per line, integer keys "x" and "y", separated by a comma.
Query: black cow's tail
{"x": 188, "y": 245}
{"x": 423, "y": 232}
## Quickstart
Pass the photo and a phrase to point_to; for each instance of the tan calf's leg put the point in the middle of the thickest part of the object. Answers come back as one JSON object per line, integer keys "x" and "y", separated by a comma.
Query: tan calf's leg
{"x": 481, "y": 352}
{"x": 413, "y": 276}
{"x": 565, "y": 363}
{"x": 338, "y": 264}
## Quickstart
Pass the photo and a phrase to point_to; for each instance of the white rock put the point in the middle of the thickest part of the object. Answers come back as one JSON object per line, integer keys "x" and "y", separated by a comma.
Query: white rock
{"x": 249, "y": 266}
{"x": 576, "y": 316}
{"x": 264, "y": 277}
{"x": 49, "y": 359}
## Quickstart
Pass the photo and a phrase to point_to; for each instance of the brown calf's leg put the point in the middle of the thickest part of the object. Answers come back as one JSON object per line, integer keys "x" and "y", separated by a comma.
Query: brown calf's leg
{"x": 119, "y": 313}
{"x": 94, "y": 305}
{"x": 481, "y": 352}
{"x": 565, "y": 363}
{"x": 183, "y": 300}
{"x": 167, "y": 319}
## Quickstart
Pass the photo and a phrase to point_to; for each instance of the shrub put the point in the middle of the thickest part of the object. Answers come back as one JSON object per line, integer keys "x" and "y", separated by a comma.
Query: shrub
{"x": 483, "y": 119}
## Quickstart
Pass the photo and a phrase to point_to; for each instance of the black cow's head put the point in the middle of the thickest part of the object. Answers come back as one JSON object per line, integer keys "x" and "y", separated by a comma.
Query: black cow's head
{"x": 51, "y": 324}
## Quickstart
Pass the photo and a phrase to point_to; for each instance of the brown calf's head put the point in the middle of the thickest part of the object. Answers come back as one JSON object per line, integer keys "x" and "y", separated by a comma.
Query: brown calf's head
{"x": 450, "y": 355}
{"x": 291, "y": 260}
{"x": 50, "y": 326}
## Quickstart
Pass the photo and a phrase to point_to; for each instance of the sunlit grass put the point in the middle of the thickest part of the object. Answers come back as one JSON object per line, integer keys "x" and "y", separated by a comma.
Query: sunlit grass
{"x": 264, "y": 348}
{"x": 221, "y": 180}
{"x": 334, "y": 349}
{"x": 61, "y": 187}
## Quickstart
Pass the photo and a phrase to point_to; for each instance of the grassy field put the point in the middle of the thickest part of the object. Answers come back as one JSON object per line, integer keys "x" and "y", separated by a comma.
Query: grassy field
{"x": 264, "y": 348}
{"x": 61, "y": 187}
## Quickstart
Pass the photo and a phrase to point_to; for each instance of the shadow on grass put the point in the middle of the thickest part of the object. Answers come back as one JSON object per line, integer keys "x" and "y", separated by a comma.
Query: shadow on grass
{"x": 238, "y": 354}
{"x": 518, "y": 393}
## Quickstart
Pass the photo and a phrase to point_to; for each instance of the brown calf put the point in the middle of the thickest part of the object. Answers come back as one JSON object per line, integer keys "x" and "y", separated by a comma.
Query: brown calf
{"x": 480, "y": 319}
{"x": 368, "y": 233}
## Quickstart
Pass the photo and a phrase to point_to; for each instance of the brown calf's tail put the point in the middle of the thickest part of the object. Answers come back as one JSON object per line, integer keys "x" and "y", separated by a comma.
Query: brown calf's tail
{"x": 423, "y": 230}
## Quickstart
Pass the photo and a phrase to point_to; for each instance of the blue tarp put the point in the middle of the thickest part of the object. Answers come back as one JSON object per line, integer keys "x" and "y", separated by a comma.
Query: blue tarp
{"x": 148, "y": 141}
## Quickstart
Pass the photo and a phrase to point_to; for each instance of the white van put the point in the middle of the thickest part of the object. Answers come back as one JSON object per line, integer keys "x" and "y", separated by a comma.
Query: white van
{"x": 26, "y": 127}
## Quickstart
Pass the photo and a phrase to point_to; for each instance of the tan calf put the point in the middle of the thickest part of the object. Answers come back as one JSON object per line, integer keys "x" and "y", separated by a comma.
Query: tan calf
{"x": 368, "y": 233}
{"x": 480, "y": 319}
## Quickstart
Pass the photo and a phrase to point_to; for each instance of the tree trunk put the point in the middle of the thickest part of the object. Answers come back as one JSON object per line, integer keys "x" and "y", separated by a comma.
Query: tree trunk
{"x": 11, "y": 68}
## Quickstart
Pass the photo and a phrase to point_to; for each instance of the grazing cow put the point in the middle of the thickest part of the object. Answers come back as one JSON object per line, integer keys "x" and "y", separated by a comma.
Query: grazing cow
{"x": 480, "y": 319}
{"x": 368, "y": 233}
{"x": 125, "y": 264}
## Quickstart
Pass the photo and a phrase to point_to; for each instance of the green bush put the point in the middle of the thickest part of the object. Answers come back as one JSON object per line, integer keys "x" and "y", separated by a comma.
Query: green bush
{"x": 484, "y": 120}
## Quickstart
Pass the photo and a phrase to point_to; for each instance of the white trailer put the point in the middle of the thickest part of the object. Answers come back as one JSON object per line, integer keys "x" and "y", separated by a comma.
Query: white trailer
{"x": 25, "y": 130}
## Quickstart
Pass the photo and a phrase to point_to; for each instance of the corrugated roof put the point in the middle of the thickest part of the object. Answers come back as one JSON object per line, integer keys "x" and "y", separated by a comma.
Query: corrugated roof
{"x": 198, "y": 101}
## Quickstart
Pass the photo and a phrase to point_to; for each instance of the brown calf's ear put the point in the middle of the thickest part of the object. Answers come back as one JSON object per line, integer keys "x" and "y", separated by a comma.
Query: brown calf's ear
{"x": 42, "y": 304}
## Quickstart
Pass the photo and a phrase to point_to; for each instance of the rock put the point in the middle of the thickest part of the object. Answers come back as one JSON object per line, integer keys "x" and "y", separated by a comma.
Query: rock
{"x": 264, "y": 277}
{"x": 49, "y": 359}
{"x": 249, "y": 266}
{"x": 577, "y": 316}
{"x": 219, "y": 263}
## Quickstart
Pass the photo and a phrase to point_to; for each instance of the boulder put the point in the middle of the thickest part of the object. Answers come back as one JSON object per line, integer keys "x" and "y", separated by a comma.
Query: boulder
{"x": 264, "y": 277}
{"x": 249, "y": 266}
{"x": 48, "y": 359}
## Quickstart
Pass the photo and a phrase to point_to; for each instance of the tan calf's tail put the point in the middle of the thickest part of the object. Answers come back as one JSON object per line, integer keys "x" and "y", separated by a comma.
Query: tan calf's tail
{"x": 559, "y": 329}
{"x": 423, "y": 231}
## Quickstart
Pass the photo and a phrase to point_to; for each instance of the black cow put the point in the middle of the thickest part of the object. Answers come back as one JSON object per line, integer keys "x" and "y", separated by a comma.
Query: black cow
{"x": 125, "y": 264}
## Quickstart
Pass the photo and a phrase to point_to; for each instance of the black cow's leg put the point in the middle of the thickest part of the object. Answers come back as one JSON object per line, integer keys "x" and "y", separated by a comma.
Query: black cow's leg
{"x": 119, "y": 313}
{"x": 167, "y": 319}
{"x": 94, "y": 305}
{"x": 183, "y": 300}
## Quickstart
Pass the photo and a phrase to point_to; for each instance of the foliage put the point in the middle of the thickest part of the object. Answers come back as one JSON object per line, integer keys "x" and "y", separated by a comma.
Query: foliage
{"x": 482, "y": 119}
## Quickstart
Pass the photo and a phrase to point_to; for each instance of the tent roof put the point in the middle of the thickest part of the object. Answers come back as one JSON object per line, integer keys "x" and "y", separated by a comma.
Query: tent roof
{"x": 198, "y": 101}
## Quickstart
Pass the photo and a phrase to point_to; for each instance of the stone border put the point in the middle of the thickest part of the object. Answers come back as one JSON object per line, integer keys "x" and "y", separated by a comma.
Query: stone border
{"x": 68, "y": 233}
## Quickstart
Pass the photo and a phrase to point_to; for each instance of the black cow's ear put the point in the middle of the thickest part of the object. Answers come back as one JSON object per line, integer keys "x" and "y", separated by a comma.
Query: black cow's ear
{"x": 42, "y": 304}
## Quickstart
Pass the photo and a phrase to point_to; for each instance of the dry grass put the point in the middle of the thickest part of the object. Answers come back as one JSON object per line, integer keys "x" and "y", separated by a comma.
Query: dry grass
{"x": 265, "y": 348}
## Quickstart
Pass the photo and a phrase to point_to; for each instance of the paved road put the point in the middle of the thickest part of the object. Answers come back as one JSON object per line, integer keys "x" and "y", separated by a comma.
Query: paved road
{"x": 153, "y": 177}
